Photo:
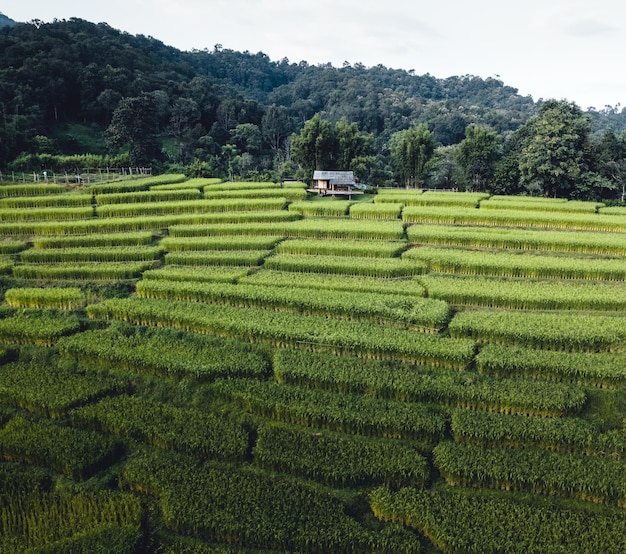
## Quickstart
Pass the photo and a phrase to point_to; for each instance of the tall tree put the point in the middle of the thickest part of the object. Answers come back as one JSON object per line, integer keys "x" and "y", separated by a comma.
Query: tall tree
{"x": 135, "y": 123}
{"x": 477, "y": 154}
{"x": 315, "y": 147}
{"x": 411, "y": 150}
{"x": 555, "y": 156}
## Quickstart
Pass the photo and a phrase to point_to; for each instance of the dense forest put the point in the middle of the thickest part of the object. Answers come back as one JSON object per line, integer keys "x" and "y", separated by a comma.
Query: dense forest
{"x": 74, "y": 94}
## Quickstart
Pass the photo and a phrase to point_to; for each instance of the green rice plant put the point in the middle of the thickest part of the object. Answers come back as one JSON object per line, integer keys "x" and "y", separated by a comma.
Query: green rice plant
{"x": 166, "y": 353}
{"x": 52, "y": 390}
{"x": 601, "y": 369}
{"x": 525, "y": 294}
{"x": 267, "y": 277}
{"x": 562, "y": 434}
{"x": 522, "y": 264}
{"x": 137, "y": 184}
{"x": 361, "y": 415}
{"x": 251, "y": 186}
{"x": 457, "y": 520}
{"x": 513, "y": 218}
{"x": 92, "y": 271}
{"x": 417, "y": 313}
{"x": 376, "y": 211}
{"x": 148, "y": 196}
{"x": 550, "y": 331}
{"x": 368, "y": 267}
{"x": 338, "y": 459}
{"x": 42, "y": 328}
{"x": 48, "y": 201}
{"x": 399, "y": 382}
{"x": 6, "y": 267}
{"x": 347, "y": 247}
{"x": 592, "y": 479}
{"x": 345, "y": 229}
{"x": 569, "y": 207}
{"x": 140, "y": 238}
{"x": 45, "y": 298}
{"x": 252, "y": 508}
{"x": 441, "y": 199}
{"x": 533, "y": 199}
{"x": 394, "y": 196}
{"x": 190, "y": 207}
{"x": 245, "y": 242}
{"x": 315, "y": 333}
{"x": 195, "y": 183}
{"x": 153, "y": 223}
{"x": 586, "y": 242}
{"x": 64, "y": 522}
{"x": 105, "y": 254}
{"x": 76, "y": 453}
{"x": 217, "y": 257}
{"x": 45, "y": 214}
{"x": 32, "y": 189}
{"x": 291, "y": 194}
{"x": 220, "y": 274}
{"x": 18, "y": 479}
{"x": 613, "y": 210}
{"x": 332, "y": 208}
{"x": 186, "y": 430}
{"x": 9, "y": 246}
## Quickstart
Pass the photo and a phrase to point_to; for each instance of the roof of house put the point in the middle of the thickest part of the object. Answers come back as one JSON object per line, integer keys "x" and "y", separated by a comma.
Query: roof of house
{"x": 335, "y": 177}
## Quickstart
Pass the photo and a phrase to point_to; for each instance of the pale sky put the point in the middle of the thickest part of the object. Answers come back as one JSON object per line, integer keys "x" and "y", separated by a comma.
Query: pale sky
{"x": 573, "y": 50}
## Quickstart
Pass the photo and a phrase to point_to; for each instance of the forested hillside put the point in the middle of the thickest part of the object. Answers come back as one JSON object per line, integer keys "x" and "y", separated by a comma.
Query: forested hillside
{"x": 72, "y": 88}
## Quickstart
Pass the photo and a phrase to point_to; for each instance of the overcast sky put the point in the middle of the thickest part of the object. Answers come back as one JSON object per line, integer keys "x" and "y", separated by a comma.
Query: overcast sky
{"x": 574, "y": 49}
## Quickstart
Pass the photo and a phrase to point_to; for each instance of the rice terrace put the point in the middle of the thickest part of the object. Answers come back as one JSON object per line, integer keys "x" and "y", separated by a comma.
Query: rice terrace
{"x": 197, "y": 366}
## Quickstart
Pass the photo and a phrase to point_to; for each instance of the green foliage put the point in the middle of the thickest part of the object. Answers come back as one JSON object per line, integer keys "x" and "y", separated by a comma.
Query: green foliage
{"x": 185, "y": 430}
{"x": 96, "y": 240}
{"x": 477, "y": 155}
{"x": 250, "y": 508}
{"x": 314, "y": 332}
{"x": 376, "y": 211}
{"x": 42, "y": 328}
{"x": 514, "y": 218}
{"x": 564, "y": 435}
{"x": 76, "y": 453}
{"x": 151, "y": 195}
{"x": 8, "y": 191}
{"x": 51, "y": 390}
{"x": 416, "y": 313}
{"x": 48, "y": 201}
{"x": 518, "y": 264}
{"x": 217, "y": 257}
{"x": 55, "y": 298}
{"x": 339, "y": 459}
{"x": 45, "y": 214}
{"x": 522, "y": 239}
{"x": 333, "y": 247}
{"x": 458, "y": 521}
{"x": 346, "y": 413}
{"x": 395, "y": 381}
{"x": 165, "y": 353}
{"x": 65, "y": 522}
{"x": 354, "y": 265}
{"x": 406, "y": 287}
{"x": 181, "y": 244}
{"x": 411, "y": 150}
{"x": 601, "y": 369}
{"x": 551, "y": 331}
{"x": 91, "y": 271}
{"x": 334, "y": 208}
{"x": 222, "y": 274}
{"x": 593, "y": 479}
{"x": 525, "y": 294}
{"x": 105, "y": 254}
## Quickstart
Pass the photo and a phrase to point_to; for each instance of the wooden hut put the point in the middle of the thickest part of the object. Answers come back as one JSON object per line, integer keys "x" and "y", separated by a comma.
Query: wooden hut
{"x": 335, "y": 183}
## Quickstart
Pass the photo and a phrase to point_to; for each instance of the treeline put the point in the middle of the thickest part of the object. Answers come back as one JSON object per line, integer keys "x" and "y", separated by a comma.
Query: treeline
{"x": 70, "y": 88}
